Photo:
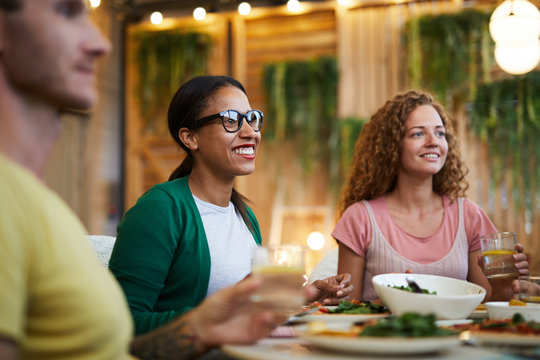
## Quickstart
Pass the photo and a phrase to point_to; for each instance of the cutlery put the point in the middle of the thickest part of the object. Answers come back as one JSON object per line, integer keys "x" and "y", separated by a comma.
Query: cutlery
{"x": 414, "y": 286}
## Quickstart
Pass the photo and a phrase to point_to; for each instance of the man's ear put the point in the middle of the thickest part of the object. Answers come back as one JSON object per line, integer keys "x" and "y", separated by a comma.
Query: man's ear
{"x": 188, "y": 138}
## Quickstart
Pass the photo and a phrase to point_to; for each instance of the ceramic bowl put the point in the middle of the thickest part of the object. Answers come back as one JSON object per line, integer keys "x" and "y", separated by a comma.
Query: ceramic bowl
{"x": 501, "y": 310}
{"x": 454, "y": 299}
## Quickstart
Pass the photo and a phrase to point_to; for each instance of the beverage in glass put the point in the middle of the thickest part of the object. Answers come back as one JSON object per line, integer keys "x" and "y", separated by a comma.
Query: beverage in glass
{"x": 282, "y": 270}
{"x": 498, "y": 251}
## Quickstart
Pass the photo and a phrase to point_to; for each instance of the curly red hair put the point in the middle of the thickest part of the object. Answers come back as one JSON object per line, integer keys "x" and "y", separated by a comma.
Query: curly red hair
{"x": 377, "y": 153}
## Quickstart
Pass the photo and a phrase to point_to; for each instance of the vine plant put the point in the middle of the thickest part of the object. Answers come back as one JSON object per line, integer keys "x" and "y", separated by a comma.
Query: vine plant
{"x": 165, "y": 60}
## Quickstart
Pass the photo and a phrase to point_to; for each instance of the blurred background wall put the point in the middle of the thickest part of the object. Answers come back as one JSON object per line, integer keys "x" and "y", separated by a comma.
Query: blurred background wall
{"x": 107, "y": 159}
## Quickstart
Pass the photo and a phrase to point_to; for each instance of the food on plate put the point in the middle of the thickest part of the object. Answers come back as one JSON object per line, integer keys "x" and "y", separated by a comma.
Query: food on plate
{"x": 481, "y": 307}
{"x": 348, "y": 307}
{"x": 358, "y": 307}
{"x": 517, "y": 325}
{"x": 515, "y": 302}
{"x": 408, "y": 325}
{"x": 410, "y": 289}
{"x": 320, "y": 328}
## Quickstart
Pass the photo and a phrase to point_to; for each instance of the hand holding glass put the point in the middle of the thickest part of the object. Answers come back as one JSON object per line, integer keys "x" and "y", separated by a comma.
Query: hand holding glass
{"x": 529, "y": 288}
{"x": 282, "y": 270}
{"x": 498, "y": 251}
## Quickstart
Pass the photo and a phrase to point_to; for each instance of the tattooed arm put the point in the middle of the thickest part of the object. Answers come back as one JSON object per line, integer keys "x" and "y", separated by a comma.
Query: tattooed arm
{"x": 226, "y": 317}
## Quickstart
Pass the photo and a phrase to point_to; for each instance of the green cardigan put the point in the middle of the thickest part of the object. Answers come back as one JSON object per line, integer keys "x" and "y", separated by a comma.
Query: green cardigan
{"x": 161, "y": 257}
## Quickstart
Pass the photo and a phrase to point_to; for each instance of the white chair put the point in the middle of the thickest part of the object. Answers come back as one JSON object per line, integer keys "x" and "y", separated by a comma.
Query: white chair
{"x": 103, "y": 246}
{"x": 326, "y": 267}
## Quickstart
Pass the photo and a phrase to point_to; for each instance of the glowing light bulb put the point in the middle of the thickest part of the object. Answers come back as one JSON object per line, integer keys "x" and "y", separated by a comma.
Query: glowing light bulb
{"x": 199, "y": 14}
{"x": 343, "y": 2}
{"x": 515, "y": 27}
{"x": 517, "y": 59}
{"x": 515, "y": 20}
{"x": 244, "y": 8}
{"x": 315, "y": 240}
{"x": 95, "y": 3}
{"x": 293, "y": 5}
{"x": 156, "y": 18}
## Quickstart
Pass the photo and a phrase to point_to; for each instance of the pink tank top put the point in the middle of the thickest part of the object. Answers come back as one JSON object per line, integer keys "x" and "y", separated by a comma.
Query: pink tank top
{"x": 381, "y": 258}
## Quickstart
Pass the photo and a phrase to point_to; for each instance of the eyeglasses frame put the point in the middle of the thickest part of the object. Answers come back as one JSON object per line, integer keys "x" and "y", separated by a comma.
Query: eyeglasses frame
{"x": 200, "y": 122}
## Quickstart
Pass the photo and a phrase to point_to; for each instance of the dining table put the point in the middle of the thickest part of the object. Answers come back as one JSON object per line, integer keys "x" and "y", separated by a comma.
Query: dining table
{"x": 285, "y": 343}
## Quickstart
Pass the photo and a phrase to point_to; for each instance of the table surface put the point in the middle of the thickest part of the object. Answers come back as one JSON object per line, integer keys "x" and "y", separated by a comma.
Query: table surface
{"x": 298, "y": 349}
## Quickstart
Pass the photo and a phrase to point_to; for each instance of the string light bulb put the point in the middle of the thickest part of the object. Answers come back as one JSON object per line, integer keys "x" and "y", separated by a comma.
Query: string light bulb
{"x": 199, "y": 13}
{"x": 244, "y": 8}
{"x": 293, "y": 5}
{"x": 156, "y": 18}
{"x": 315, "y": 240}
{"x": 95, "y": 3}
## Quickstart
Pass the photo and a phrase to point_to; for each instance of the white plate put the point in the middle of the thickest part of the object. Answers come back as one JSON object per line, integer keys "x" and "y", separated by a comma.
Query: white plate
{"x": 478, "y": 314}
{"x": 299, "y": 349}
{"x": 453, "y": 322}
{"x": 349, "y": 318}
{"x": 383, "y": 345}
{"x": 488, "y": 337}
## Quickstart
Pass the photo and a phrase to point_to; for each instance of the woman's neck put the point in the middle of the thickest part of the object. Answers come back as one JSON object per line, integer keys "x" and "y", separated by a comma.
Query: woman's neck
{"x": 208, "y": 187}
{"x": 413, "y": 195}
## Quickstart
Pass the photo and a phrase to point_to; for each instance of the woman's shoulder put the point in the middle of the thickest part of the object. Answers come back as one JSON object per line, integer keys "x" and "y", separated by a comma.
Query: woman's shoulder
{"x": 360, "y": 208}
{"x": 169, "y": 189}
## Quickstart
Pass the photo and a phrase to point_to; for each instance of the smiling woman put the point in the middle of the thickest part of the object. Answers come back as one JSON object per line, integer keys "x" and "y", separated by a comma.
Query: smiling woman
{"x": 404, "y": 207}
{"x": 193, "y": 235}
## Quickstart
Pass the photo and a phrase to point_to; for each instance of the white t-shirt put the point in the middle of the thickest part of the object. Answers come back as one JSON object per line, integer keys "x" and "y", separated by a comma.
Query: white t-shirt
{"x": 230, "y": 242}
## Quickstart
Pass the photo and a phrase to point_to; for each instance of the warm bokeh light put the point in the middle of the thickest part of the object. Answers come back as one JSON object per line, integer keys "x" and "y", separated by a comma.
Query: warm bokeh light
{"x": 199, "y": 13}
{"x": 315, "y": 240}
{"x": 293, "y": 5}
{"x": 515, "y": 28}
{"x": 95, "y": 3}
{"x": 343, "y": 2}
{"x": 515, "y": 20}
{"x": 244, "y": 8}
{"x": 156, "y": 18}
{"x": 517, "y": 59}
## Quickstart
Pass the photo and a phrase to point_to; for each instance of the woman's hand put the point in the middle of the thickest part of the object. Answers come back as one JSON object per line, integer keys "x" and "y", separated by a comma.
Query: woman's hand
{"x": 331, "y": 290}
{"x": 526, "y": 288}
{"x": 506, "y": 288}
{"x": 522, "y": 263}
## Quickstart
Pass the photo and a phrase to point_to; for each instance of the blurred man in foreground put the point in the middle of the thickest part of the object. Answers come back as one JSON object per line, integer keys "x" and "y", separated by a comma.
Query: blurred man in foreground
{"x": 56, "y": 301}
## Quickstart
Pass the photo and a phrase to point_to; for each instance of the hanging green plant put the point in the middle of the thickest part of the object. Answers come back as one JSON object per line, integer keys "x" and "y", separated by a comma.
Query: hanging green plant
{"x": 164, "y": 60}
{"x": 449, "y": 54}
{"x": 302, "y": 103}
{"x": 505, "y": 114}
{"x": 301, "y": 98}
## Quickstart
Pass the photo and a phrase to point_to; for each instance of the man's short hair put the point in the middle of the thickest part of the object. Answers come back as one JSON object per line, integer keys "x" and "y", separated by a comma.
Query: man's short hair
{"x": 10, "y": 5}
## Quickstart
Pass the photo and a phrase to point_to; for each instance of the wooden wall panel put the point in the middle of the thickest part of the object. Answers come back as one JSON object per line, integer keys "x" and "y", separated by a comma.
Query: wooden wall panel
{"x": 367, "y": 41}
{"x": 285, "y": 37}
{"x": 151, "y": 157}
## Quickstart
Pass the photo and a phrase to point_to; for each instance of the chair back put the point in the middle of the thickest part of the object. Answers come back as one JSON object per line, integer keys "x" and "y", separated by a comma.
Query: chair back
{"x": 103, "y": 246}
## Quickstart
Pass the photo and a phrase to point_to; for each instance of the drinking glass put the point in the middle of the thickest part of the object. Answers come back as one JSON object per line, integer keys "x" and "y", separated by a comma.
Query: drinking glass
{"x": 529, "y": 288}
{"x": 282, "y": 270}
{"x": 498, "y": 250}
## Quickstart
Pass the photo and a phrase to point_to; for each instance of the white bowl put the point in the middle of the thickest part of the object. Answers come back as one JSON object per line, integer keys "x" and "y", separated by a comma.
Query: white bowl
{"x": 501, "y": 310}
{"x": 455, "y": 299}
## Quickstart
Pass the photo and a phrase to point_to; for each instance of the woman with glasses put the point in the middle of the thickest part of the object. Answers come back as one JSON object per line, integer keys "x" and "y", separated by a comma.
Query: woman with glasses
{"x": 194, "y": 234}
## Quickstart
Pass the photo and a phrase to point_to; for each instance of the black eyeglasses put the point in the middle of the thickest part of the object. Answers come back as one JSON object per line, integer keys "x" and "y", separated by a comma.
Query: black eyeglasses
{"x": 232, "y": 120}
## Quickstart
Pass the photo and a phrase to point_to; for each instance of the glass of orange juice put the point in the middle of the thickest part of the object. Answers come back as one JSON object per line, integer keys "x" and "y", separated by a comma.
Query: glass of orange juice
{"x": 497, "y": 251}
{"x": 282, "y": 270}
